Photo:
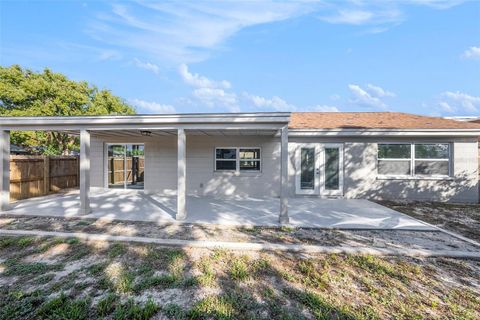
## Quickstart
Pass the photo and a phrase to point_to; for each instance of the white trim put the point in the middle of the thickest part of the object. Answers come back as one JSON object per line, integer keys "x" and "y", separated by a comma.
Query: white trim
{"x": 298, "y": 169}
{"x": 400, "y": 177}
{"x": 105, "y": 161}
{"x": 319, "y": 182}
{"x": 323, "y": 190}
{"x": 237, "y": 160}
{"x": 384, "y": 132}
{"x": 272, "y": 121}
{"x": 412, "y": 159}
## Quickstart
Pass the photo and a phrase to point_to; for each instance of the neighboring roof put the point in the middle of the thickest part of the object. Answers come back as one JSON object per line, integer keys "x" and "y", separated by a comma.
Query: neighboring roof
{"x": 373, "y": 120}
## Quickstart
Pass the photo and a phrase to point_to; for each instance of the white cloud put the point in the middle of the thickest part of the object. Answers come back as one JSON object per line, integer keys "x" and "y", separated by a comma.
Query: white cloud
{"x": 172, "y": 32}
{"x": 369, "y": 96}
{"x": 323, "y": 108}
{"x": 147, "y": 66}
{"x": 471, "y": 53}
{"x": 379, "y": 92}
{"x": 198, "y": 81}
{"x": 275, "y": 103}
{"x": 355, "y": 17}
{"x": 438, "y": 4}
{"x": 214, "y": 97}
{"x": 152, "y": 107}
{"x": 459, "y": 102}
{"x": 444, "y": 106}
{"x": 185, "y": 31}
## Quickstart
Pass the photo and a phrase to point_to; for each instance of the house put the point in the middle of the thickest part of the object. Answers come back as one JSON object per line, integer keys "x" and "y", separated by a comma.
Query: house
{"x": 16, "y": 150}
{"x": 376, "y": 155}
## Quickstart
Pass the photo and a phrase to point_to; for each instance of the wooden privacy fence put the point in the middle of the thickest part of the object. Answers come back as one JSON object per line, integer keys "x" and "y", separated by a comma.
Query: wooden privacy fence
{"x": 33, "y": 176}
{"x": 120, "y": 168}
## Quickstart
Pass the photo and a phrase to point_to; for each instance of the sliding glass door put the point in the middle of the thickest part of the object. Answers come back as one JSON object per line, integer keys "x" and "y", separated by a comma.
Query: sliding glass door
{"x": 126, "y": 166}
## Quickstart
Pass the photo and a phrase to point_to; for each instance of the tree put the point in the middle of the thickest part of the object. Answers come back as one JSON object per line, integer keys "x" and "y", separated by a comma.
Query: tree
{"x": 24, "y": 92}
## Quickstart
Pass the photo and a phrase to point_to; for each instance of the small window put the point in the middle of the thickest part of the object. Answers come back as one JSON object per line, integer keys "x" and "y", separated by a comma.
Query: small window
{"x": 432, "y": 159}
{"x": 249, "y": 159}
{"x": 394, "y": 159}
{"x": 225, "y": 159}
{"x": 237, "y": 159}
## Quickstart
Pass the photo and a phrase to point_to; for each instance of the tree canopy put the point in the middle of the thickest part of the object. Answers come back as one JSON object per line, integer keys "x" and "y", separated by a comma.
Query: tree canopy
{"x": 24, "y": 92}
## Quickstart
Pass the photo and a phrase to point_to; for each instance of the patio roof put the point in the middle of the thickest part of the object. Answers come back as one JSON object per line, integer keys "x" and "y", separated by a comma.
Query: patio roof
{"x": 168, "y": 122}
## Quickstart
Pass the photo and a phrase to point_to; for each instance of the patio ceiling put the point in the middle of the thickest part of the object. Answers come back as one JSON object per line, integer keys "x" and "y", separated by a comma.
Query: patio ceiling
{"x": 163, "y": 133}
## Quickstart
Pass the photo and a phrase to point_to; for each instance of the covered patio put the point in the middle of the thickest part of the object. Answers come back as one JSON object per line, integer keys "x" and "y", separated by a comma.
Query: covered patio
{"x": 134, "y": 205}
{"x": 151, "y": 127}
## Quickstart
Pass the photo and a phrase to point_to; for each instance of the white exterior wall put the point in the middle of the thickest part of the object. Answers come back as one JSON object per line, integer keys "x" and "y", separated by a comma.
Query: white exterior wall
{"x": 202, "y": 180}
{"x": 360, "y": 172}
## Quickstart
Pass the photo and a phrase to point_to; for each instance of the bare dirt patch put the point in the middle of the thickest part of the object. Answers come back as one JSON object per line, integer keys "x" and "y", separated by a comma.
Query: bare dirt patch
{"x": 460, "y": 218}
{"x": 428, "y": 240}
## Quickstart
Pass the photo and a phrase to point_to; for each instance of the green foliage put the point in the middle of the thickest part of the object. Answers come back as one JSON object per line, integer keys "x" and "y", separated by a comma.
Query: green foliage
{"x": 24, "y": 92}
{"x": 21, "y": 242}
{"x": 107, "y": 305}
{"x": 162, "y": 281}
{"x": 132, "y": 310}
{"x": 117, "y": 249}
{"x": 18, "y": 268}
{"x": 239, "y": 269}
{"x": 63, "y": 307}
{"x": 19, "y": 304}
{"x": 215, "y": 307}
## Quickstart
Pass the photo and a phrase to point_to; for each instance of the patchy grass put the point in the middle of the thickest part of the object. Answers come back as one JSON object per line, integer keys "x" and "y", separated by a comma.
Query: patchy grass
{"x": 138, "y": 281}
{"x": 461, "y": 218}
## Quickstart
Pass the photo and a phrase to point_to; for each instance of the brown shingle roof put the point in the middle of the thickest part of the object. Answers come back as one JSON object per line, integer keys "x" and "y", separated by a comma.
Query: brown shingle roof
{"x": 373, "y": 120}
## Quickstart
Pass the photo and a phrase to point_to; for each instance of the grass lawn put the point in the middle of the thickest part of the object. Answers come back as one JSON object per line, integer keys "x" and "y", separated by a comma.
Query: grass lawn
{"x": 463, "y": 219}
{"x": 52, "y": 278}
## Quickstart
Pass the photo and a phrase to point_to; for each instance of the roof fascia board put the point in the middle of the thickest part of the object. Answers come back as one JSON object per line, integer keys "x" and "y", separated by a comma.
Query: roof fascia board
{"x": 143, "y": 126}
{"x": 383, "y": 132}
{"x": 150, "y": 119}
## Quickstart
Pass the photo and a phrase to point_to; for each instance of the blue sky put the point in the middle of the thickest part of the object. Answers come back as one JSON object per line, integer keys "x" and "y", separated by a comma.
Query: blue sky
{"x": 418, "y": 56}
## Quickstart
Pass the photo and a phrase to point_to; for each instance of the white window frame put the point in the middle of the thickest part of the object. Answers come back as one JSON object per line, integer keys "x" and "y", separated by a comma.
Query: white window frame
{"x": 105, "y": 160}
{"x": 448, "y": 160}
{"x": 323, "y": 189}
{"x": 412, "y": 160}
{"x": 298, "y": 164}
{"x": 237, "y": 160}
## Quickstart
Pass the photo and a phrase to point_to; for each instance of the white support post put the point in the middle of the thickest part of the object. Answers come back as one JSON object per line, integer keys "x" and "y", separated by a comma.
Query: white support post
{"x": 84, "y": 172}
{"x": 5, "y": 170}
{"x": 283, "y": 217}
{"x": 181, "y": 175}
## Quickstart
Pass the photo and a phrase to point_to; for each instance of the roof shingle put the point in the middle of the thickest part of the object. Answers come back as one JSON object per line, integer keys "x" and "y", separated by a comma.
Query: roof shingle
{"x": 373, "y": 120}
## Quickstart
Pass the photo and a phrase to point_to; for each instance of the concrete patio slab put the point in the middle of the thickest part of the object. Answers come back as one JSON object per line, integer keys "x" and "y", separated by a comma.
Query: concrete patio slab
{"x": 134, "y": 205}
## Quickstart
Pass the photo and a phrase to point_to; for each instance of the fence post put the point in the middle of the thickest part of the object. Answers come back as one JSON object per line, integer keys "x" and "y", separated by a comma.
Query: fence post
{"x": 46, "y": 175}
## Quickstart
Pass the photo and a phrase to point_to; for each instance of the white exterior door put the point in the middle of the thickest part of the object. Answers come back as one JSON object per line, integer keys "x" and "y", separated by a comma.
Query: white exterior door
{"x": 319, "y": 169}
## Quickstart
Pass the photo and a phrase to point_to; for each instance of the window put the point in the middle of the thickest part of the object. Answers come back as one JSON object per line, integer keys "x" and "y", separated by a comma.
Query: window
{"x": 418, "y": 159}
{"x": 394, "y": 159}
{"x": 249, "y": 159}
{"x": 432, "y": 159}
{"x": 225, "y": 159}
{"x": 237, "y": 159}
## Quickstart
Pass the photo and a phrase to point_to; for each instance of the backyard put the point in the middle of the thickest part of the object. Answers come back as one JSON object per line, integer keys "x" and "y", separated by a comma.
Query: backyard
{"x": 68, "y": 279}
